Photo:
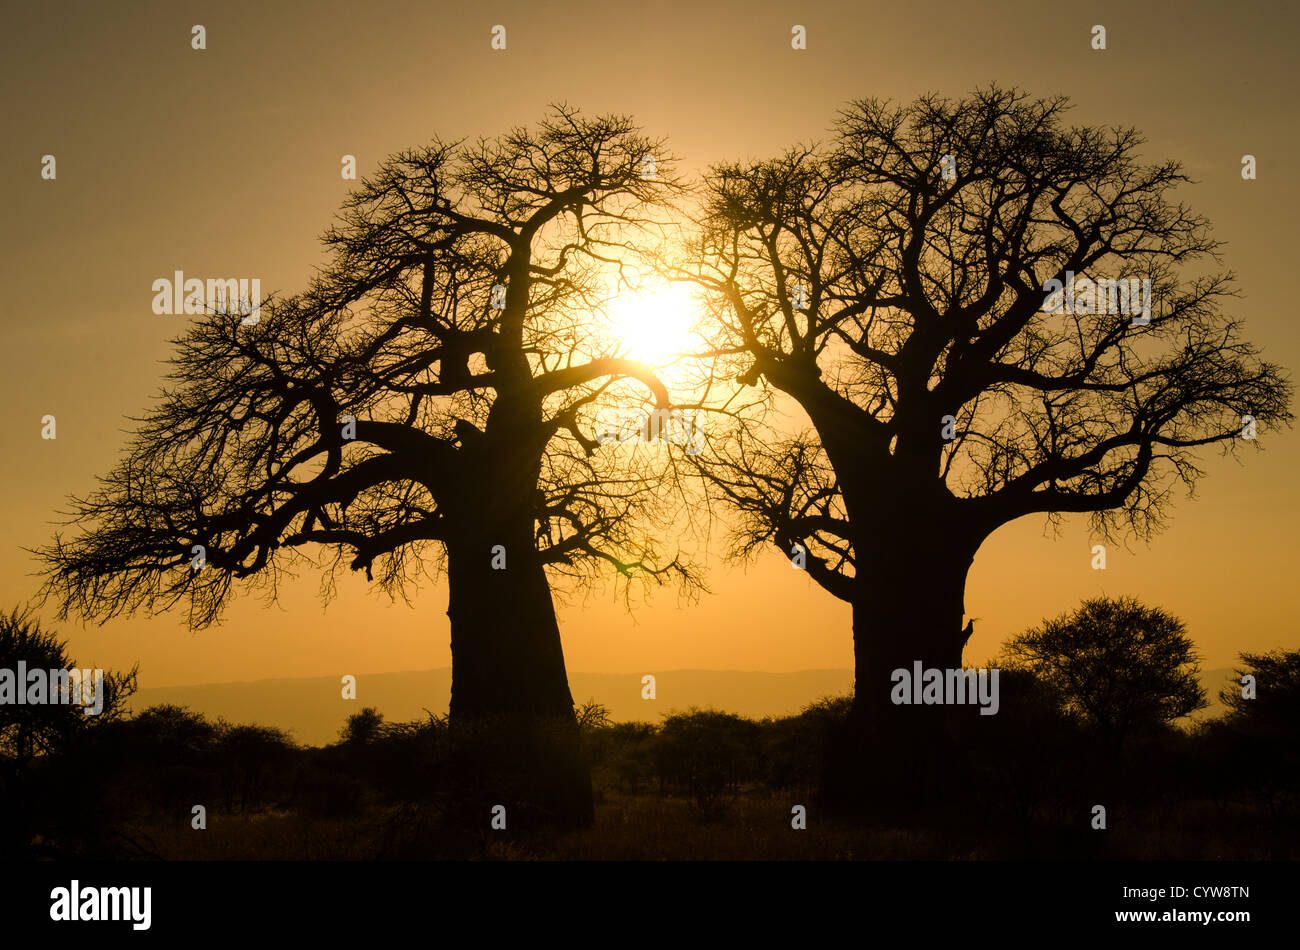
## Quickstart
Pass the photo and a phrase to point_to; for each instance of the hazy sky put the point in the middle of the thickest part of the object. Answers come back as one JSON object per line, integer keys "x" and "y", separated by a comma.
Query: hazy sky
{"x": 225, "y": 162}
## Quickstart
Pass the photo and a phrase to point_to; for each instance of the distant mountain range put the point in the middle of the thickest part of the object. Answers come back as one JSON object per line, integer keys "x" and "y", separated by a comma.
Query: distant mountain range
{"x": 313, "y": 711}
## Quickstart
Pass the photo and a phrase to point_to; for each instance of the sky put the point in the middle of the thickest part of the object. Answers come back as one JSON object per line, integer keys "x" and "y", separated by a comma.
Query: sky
{"x": 225, "y": 161}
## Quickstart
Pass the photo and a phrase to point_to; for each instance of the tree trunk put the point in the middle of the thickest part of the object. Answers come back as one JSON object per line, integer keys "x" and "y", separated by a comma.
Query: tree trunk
{"x": 907, "y": 611}
{"x": 511, "y": 712}
{"x": 507, "y": 659}
{"x": 908, "y": 607}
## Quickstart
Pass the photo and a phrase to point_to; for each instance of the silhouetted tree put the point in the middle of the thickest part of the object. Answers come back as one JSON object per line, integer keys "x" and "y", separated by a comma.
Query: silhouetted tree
{"x": 363, "y": 727}
{"x": 428, "y": 402}
{"x": 1116, "y": 664}
{"x": 795, "y": 747}
{"x": 1255, "y": 748}
{"x": 172, "y": 731}
{"x": 167, "y": 758}
{"x": 894, "y": 284}
{"x": 592, "y": 716}
{"x": 250, "y": 758}
{"x": 53, "y": 733}
{"x": 29, "y": 730}
{"x": 706, "y": 754}
{"x": 1275, "y": 698}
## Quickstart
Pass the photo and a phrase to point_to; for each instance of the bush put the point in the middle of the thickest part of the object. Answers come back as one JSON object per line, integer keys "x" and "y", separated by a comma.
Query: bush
{"x": 706, "y": 755}
{"x": 795, "y": 747}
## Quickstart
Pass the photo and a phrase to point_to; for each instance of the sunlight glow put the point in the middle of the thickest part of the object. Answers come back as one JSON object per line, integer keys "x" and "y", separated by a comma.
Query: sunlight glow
{"x": 655, "y": 325}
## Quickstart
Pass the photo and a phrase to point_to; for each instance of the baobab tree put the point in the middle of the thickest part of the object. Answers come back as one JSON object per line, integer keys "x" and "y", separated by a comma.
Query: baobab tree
{"x": 421, "y": 406}
{"x": 984, "y": 314}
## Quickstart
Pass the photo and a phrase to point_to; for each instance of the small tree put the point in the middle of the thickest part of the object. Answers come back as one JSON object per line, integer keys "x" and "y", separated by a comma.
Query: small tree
{"x": 1276, "y": 695}
{"x": 249, "y": 758}
{"x": 1253, "y": 749}
{"x": 707, "y": 754}
{"x": 29, "y": 730}
{"x": 592, "y": 716}
{"x": 46, "y": 807}
{"x": 1117, "y": 664}
{"x": 363, "y": 727}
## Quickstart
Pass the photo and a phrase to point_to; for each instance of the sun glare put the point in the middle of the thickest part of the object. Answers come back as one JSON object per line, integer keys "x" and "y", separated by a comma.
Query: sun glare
{"x": 655, "y": 326}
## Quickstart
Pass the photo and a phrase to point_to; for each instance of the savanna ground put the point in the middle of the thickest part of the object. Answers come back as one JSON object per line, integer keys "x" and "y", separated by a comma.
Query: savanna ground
{"x": 653, "y": 828}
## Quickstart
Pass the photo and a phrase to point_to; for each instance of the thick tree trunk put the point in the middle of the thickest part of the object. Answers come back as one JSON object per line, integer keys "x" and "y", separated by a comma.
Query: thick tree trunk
{"x": 908, "y": 608}
{"x": 507, "y": 659}
{"x": 511, "y": 709}
{"x": 906, "y": 612}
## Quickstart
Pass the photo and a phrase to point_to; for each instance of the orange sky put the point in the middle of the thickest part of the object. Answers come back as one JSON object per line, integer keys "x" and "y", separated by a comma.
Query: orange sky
{"x": 225, "y": 162}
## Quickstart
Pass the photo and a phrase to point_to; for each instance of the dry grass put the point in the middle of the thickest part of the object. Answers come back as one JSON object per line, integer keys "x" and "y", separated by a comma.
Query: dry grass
{"x": 754, "y": 826}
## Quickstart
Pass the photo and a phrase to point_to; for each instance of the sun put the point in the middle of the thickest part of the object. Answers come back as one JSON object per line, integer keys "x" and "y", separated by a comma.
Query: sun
{"x": 655, "y": 325}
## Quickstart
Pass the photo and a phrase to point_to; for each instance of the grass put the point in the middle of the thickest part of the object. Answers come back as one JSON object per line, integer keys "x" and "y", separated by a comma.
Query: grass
{"x": 755, "y": 825}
